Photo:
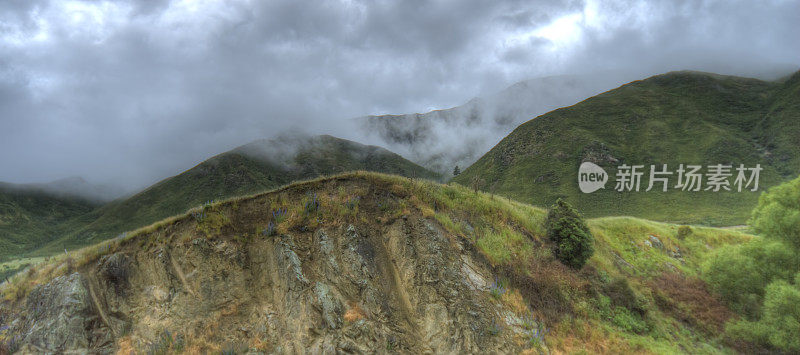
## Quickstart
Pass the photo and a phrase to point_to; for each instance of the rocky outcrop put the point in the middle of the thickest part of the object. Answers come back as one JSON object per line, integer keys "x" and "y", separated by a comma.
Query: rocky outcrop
{"x": 381, "y": 277}
{"x": 62, "y": 317}
{"x": 405, "y": 286}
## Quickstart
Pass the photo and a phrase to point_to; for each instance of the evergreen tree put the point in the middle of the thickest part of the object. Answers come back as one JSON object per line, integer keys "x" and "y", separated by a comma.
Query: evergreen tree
{"x": 566, "y": 228}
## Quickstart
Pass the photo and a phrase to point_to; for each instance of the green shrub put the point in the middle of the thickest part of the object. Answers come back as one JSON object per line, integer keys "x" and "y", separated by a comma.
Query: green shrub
{"x": 569, "y": 232}
{"x": 740, "y": 273}
{"x": 779, "y": 326}
{"x": 211, "y": 222}
{"x": 754, "y": 278}
{"x": 620, "y": 316}
{"x": 777, "y": 215}
{"x": 629, "y": 321}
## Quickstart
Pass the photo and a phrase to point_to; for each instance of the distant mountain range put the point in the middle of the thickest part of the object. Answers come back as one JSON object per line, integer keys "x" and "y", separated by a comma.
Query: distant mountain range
{"x": 675, "y": 118}
{"x": 364, "y": 262}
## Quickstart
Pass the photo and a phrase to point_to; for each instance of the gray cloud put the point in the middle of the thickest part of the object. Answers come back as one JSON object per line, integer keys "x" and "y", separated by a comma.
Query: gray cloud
{"x": 132, "y": 92}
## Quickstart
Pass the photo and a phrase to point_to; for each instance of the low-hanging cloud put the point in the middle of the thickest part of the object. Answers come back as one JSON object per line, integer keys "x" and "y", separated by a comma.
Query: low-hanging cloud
{"x": 130, "y": 92}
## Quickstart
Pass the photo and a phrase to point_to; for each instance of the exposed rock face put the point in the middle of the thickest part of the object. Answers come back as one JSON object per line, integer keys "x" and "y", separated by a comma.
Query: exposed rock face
{"x": 405, "y": 286}
{"x": 598, "y": 153}
{"x": 61, "y": 317}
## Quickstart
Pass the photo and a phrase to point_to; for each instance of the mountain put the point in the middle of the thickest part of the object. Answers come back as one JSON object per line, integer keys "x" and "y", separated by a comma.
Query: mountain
{"x": 30, "y": 216}
{"x": 441, "y": 139}
{"x": 371, "y": 263}
{"x": 781, "y": 127}
{"x": 674, "y": 118}
{"x": 77, "y": 187}
{"x": 33, "y": 214}
{"x": 254, "y": 167}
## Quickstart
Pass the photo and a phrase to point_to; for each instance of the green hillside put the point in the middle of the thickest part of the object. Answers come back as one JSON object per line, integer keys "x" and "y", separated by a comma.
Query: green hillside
{"x": 675, "y": 118}
{"x": 641, "y": 292}
{"x": 254, "y": 167}
{"x": 29, "y": 217}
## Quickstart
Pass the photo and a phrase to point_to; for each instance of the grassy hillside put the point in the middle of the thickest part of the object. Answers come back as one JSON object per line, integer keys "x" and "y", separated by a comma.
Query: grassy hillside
{"x": 30, "y": 217}
{"x": 780, "y": 129}
{"x": 675, "y": 118}
{"x": 254, "y": 167}
{"x": 639, "y": 292}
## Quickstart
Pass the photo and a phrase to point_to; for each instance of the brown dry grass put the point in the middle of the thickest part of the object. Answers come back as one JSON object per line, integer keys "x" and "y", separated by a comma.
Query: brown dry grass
{"x": 514, "y": 301}
{"x": 689, "y": 300}
{"x": 547, "y": 284}
{"x": 580, "y": 336}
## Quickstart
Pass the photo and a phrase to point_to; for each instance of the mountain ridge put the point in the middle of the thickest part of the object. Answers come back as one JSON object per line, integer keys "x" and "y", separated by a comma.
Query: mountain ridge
{"x": 253, "y": 167}
{"x": 675, "y": 118}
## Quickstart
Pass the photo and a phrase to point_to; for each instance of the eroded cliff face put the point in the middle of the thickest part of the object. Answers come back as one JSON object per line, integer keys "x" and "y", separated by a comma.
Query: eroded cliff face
{"x": 363, "y": 287}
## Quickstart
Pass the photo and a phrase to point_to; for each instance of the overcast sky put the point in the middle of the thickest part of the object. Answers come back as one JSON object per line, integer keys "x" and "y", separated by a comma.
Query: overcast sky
{"x": 134, "y": 91}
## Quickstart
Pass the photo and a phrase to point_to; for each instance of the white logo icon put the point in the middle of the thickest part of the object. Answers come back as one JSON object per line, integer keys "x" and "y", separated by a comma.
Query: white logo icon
{"x": 591, "y": 177}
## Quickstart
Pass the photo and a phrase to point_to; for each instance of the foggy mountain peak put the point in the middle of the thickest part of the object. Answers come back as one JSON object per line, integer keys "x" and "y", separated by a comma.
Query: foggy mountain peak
{"x": 442, "y": 139}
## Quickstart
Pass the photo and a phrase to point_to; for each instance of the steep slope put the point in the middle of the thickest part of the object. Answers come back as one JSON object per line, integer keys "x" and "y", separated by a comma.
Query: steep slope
{"x": 30, "y": 216}
{"x": 442, "y": 139}
{"x": 253, "y": 167}
{"x": 366, "y": 262}
{"x": 675, "y": 118}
